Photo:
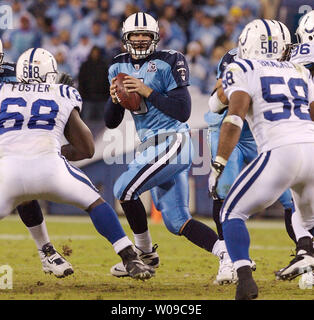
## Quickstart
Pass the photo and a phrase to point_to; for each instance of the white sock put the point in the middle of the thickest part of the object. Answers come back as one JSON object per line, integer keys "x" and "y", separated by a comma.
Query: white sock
{"x": 297, "y": 225}
{"x": 40, "y": 234}
{"x": 143, "y": 241}
{"x": 241, "y": 263}
{"x": 219, "y": 247}
{"x": 121, "y": 244}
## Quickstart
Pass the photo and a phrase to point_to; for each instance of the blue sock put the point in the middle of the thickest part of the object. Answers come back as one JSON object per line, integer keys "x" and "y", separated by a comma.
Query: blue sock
{"x": 237, "y": 239}
{"x": 107, "y": 223}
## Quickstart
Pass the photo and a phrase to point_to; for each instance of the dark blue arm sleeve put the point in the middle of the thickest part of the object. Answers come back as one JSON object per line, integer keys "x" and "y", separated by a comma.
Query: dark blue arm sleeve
{"x": 177, "y": 103}
{"x": 114, "y": 114}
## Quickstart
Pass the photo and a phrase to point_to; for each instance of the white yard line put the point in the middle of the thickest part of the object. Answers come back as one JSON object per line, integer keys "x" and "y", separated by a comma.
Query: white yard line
{"x": 7, "y": 236}
{"x": 251, "y": 224}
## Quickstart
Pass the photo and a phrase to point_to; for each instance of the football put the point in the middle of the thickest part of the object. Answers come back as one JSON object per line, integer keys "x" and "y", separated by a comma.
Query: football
{"x": 128, "y": 100}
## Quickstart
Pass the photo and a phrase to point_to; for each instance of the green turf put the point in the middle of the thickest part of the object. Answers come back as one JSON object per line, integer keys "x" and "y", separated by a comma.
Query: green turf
{"x": 186, "y": 271}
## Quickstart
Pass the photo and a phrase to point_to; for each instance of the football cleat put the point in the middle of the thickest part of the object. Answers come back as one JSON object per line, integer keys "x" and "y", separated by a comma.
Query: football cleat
{"x": 302, "y": 262}
{"x": 307, "y": 280}
{"x": 226, "y": 273}
{"x": 53, "y": 262}
{"x": 134, "y": 266}
{"x": 150, "y": 259}
{"x": 246, "y": 288}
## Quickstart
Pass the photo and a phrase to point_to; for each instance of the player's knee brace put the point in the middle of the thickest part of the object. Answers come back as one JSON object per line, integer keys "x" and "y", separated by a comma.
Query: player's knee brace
{"x": 30, "y": 213}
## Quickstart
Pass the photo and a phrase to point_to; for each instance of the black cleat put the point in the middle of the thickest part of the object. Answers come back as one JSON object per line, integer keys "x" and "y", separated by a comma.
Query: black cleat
{"x": 246, "y": 288}
{"x": 149, "y": 258}
{"x": 135, "y": 267}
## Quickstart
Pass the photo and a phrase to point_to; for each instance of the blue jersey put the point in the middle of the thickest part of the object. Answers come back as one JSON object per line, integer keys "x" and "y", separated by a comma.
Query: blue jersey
{"x": 214, "y": 120}
{"x": 8, "y": 72}
{"x": 162, "y": 71}
{"x": 224, "y": 61}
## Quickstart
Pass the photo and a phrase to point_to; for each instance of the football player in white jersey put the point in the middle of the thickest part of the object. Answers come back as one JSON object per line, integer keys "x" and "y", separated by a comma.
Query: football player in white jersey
{"x": 35, "y": 115}
{"x": 274, "y": 97}
{"x": 30, "y": 212}
{"x": 303, "y": 53}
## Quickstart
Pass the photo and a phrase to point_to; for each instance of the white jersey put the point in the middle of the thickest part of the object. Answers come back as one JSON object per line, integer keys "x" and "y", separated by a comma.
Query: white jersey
{"x": 281, "y": 93}
{"x": 303, "y": 53}
{"x": 33, "y": 117}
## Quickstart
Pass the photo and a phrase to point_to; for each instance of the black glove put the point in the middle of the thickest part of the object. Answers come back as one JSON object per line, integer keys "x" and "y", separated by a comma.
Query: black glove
{"x": 65, "y": 78}
{"x": 216, "y": 170}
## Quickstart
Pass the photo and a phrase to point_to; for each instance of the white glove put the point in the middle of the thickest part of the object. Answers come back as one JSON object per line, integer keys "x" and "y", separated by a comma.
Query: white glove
{"x": 216, "y": 169}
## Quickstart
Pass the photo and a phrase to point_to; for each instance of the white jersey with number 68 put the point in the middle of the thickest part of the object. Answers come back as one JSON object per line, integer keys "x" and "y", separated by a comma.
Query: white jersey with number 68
{"x": 33, "y": 117}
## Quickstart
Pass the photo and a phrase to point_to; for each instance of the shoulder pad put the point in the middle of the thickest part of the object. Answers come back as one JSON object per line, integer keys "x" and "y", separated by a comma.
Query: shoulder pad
{"x": 121, "y": 58}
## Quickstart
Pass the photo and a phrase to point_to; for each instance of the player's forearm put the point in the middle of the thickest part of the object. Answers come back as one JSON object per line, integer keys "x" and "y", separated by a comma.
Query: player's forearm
{"x": 72, "y": 154}
{"x": 114, "y": 114}
{"x": 177, "y": 104}
{"x": 229, "y": 137}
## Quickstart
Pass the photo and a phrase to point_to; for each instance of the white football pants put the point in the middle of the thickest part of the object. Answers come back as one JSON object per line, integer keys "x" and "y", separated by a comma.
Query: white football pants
{"x": 262, "y": 182}
{"x": 48, "y": 177}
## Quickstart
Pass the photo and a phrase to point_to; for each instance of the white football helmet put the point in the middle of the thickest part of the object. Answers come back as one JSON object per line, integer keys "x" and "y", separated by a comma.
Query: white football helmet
{"x": 285, "y": 32}
{"x": 36, "y": 65}
{"x": 140, "y": 23}
{"x": 305, "y": 30}
{"x": 287, "y": 40}
{"x": 261, "y": 39}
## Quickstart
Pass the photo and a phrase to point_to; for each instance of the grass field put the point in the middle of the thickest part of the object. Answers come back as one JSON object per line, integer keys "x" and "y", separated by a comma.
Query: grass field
{"x": 186, "y": 272}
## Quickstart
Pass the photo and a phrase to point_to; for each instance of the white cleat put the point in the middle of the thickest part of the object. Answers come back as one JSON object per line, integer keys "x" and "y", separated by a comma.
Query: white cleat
{"x": 53, "y": 262}
{"x": 226, "y": 272}
{"x": 307, "y": 280}
{"x": 150, "y": 259}
{"x": 302, "y": 263}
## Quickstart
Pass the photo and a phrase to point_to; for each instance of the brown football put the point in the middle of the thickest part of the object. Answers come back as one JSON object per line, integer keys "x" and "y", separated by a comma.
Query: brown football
{"x": 128, "y": 100}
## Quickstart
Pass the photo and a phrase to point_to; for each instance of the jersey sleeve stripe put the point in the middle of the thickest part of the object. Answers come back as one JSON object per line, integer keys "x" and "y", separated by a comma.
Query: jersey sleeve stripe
{"x": 67, "y": 90}
{"x": 249, "y": 63}
{"x": 61, "y": 90}
{"x": 241, "y": 66}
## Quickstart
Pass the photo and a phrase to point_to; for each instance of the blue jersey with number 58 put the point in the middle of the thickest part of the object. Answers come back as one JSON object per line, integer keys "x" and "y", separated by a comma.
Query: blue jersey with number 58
{"x": 280, "y": 93}
{"x": 33, "y": 117}
{"x": 162, "y": 71}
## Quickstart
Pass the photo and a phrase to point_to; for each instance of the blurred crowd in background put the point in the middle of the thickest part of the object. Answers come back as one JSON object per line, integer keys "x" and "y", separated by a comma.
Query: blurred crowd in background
{"x": 84, "y": 35}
